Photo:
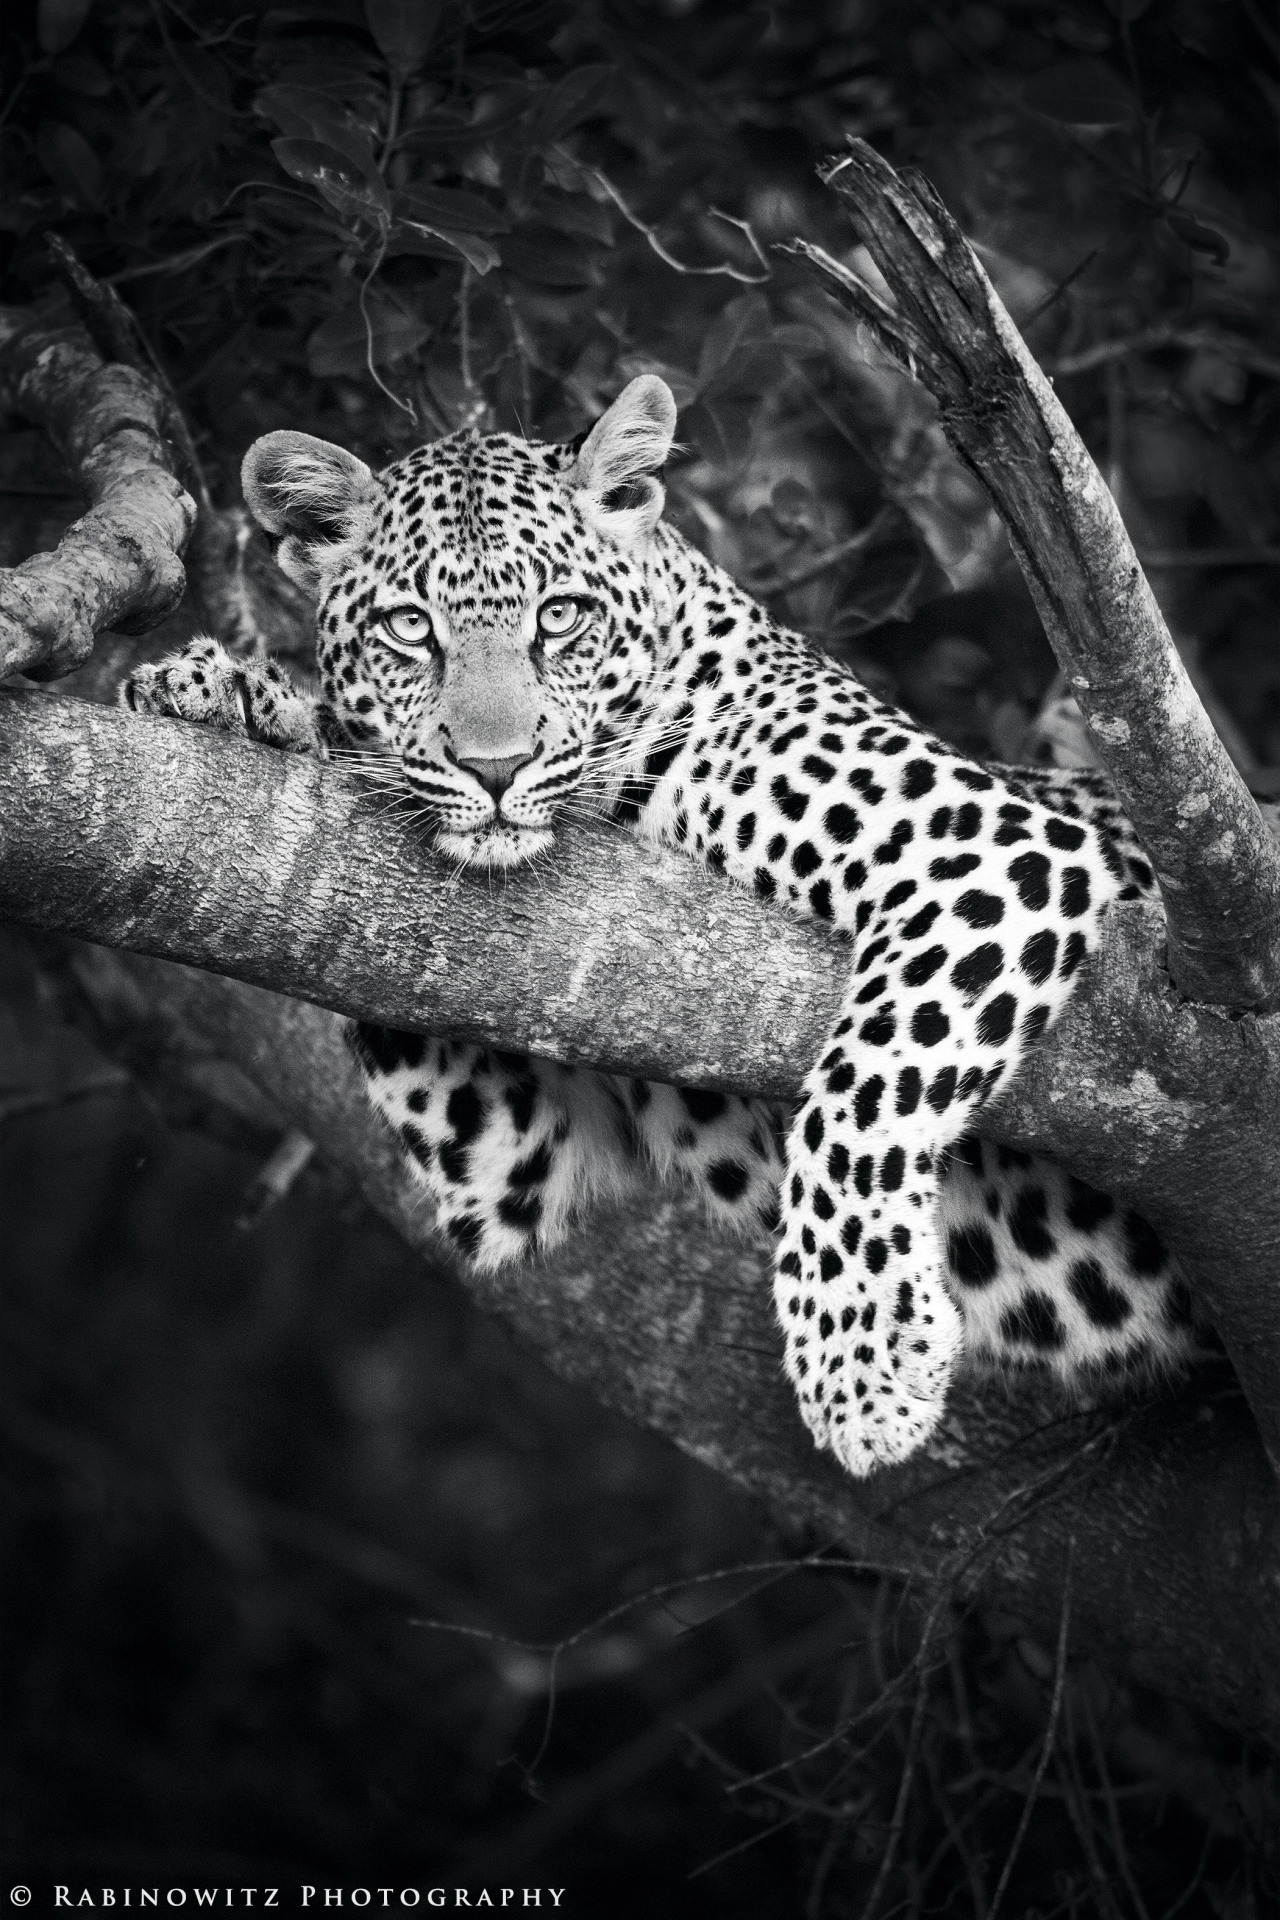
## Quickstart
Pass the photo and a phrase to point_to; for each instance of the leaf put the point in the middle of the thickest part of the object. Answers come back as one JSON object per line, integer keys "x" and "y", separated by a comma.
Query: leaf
{"x": 70, "y": 162}
{"x": 80, "y": 73}
{"x": 800, "y": 341}
{"x": 344, "y": 344}
{"x": 1193, "y": 233}
{"x": 496, "y": 109}
{"x": 575, "y": 98}
{"x": 442, "y": 206}
{"x": 404, "y": 31}
{"x": 304, "y": 114}
{"x": 721, "y": 431}
{"x": 344, "y": 185}
{"x": 357, "y": 80}
{"x": 58, "y": 22}
{"x": 524, "y": 17}
{"x": 439, "y": 243}
{"x": 576, "y": 214}
{"x": 745, "y": 323}
{"x": 1081, "y": 93}
{"x": 548, "y": 259}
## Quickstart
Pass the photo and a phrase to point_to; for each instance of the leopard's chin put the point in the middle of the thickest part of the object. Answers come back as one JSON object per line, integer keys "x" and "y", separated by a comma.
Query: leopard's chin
{"x": 495, "y": 846}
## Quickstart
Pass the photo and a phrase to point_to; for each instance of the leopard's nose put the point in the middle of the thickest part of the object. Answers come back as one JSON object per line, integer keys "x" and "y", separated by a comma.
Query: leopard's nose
{"x": 495, "y": 776}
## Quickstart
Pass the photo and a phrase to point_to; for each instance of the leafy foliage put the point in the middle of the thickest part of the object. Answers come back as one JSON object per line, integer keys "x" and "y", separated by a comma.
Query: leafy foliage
{"x": 387, "y": 220}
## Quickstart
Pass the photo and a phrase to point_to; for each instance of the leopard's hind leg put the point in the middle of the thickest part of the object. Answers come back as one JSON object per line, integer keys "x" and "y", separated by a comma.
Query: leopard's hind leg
{"x": 1050, "y": 1272}
{"x": 512, "y": 1149}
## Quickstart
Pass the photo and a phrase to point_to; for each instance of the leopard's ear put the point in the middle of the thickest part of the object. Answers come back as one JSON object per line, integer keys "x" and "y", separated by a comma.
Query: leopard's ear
{"x": 311, "y": 496}
{"x": 615, "y": 472}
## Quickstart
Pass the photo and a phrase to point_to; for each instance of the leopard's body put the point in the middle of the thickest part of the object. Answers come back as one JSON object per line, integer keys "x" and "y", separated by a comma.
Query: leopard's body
{"x": 970, "y": 897}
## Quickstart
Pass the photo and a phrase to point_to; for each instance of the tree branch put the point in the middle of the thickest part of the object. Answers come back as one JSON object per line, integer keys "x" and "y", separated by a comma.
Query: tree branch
{"x": 1175, "y": 1518}
{"x": 1218, "y": 867}
{"x": 120, "y": 565}
{"x": 178, "y": 842}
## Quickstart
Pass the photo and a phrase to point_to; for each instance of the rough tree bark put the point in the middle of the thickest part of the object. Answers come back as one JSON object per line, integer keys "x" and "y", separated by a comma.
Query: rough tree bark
{"x": 278, "y": 871}
{"x": 120, "y": 566}
{"x": 1165, "y": 1501}
{"x": 1217, "y": 866}
{"x": 169, "y": 842}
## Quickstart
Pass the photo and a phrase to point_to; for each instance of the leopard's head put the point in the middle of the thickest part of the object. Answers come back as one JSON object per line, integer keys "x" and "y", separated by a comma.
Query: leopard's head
{"x": 485, "y": 615}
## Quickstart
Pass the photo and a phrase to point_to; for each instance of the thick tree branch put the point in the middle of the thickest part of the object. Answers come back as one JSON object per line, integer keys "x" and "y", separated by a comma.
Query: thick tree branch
{"x": 1218, "y": 868}
{"x": 120, "y": 566}
{"x": 172, "y": 841}
{"x": 1174, "y": 1517}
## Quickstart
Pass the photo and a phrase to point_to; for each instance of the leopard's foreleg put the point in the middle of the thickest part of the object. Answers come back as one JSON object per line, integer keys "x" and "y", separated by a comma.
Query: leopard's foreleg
{"x": 208, "y": 686}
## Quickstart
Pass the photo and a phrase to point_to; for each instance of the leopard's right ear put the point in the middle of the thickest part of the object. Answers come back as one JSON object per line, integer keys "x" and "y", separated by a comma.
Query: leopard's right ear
{"x": 615, "y": 473}
{"x": 313, "y": 497}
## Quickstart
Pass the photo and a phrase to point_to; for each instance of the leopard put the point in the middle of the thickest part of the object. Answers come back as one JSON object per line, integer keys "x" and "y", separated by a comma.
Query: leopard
{"x": 510, "y": 634}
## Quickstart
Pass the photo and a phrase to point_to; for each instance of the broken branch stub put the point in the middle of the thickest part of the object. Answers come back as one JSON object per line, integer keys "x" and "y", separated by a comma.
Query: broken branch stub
{"x": 1218, "y": 866}
{"x": 120, "y": 565}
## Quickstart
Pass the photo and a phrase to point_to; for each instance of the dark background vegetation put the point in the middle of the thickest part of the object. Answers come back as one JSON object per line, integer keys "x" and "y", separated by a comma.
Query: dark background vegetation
{"x": 245, "y": 1464}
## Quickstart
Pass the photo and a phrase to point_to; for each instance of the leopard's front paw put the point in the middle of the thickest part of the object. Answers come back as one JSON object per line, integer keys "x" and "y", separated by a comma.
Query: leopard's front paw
{"x": 870, "y": 1364}
{"x": 881, "y": 1431}
{"x": 205, "y": 684}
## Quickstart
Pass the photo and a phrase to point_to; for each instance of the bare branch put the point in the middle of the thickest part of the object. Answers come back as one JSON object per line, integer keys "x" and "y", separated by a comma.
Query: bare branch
{"x": 1218, "y": 868}
{"x": 119, "y": 565}
{"x": 1152, "y": 339}
{"x": 721, "y": 267}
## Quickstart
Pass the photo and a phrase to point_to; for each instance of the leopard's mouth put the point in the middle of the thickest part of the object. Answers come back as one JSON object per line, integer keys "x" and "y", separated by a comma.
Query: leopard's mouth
{"x": 497, "y": 845}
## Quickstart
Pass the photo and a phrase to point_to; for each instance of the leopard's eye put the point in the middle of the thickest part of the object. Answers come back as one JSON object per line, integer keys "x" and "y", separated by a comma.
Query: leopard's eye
{"x": 557, "y": 619}
{"x": 408, "y": 629}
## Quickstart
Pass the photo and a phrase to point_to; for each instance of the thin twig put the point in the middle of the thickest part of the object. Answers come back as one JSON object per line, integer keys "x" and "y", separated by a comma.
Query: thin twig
{"x": 1193, "y": 1885}
{"x": 833, "y": 556}
{"x": 898, "y": 1819}
{"x": 721, "y": 267}
{"x": 953, "y": 1838}
{"x": 118, "y": 337}
{"x": 1153, "y": 339}
{"x": 1055, "y": 293}
{"x": 752, "y": 1839}
{"x": 1050, "y": 1734}
{"x": 1210, "y": 557}
{"x": 1075, "y": 1800}
{"x": 821, "y": 1872}
{"x": 176, "y": 262}
{"x": 405, "y": 406}
{"x": 274, "y": 1178}
{"x": 1118, "y": 1847}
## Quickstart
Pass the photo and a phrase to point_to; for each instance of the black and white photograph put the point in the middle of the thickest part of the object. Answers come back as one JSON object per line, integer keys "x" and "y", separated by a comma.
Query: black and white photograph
{"x": 640, "y": 958}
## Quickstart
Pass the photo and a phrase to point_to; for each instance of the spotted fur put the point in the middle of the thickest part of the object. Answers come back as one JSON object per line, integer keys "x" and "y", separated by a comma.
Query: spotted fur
{"x": 971, "y": 896}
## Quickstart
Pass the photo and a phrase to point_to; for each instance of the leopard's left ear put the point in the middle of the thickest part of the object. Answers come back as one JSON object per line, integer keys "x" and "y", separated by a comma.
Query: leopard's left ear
{"x": 615, "y": 472}
{"x": 313, "y": 497}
